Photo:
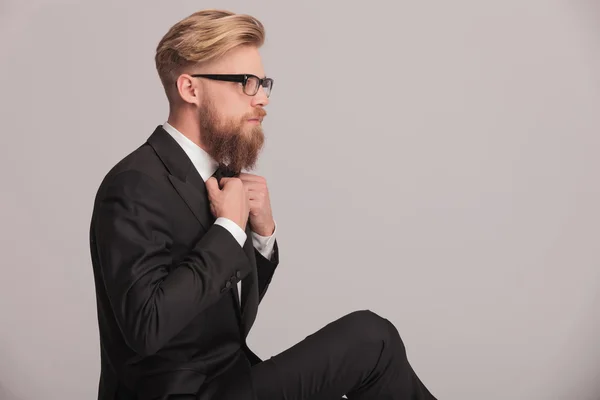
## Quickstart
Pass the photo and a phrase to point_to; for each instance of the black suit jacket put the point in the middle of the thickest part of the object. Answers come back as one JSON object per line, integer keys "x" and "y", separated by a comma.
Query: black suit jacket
{"x": 166, "y": 282}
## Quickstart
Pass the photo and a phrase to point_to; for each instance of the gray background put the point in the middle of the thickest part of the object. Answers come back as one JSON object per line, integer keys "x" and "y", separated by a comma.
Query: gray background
{"x": 434, "y": 161}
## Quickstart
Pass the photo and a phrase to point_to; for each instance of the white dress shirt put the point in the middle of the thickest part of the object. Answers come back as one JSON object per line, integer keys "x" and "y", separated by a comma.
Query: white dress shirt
{"x": 206, "y": 167}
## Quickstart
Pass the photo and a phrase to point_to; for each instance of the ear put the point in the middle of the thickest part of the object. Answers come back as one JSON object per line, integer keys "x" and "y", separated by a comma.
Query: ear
{"x": 189, "y": 89}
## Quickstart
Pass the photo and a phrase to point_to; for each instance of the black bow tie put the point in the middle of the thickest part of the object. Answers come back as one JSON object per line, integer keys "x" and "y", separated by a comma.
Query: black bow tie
{"x": 224, "y": 172}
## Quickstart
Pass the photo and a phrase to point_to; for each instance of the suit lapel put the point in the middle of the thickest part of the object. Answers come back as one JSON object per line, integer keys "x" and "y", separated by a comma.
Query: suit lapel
{"x": 183, "y": 176}
{"x": 195, "y": 200}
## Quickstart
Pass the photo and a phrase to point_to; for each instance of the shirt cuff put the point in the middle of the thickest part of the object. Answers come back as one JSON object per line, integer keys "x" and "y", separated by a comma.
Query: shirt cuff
{"x": 264, "y": 244}
{"x": 233, "y": 228}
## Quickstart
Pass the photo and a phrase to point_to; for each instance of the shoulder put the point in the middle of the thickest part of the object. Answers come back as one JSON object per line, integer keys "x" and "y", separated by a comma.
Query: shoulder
{"x": 139, "y": 173}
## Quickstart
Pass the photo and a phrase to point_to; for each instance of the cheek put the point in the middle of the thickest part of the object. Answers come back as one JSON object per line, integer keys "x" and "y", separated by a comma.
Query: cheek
{"x": 232, "y": 109}
{"x": 235, "y": 114}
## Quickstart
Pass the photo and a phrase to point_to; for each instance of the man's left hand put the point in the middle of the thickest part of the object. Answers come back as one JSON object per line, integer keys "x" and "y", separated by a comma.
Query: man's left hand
{"x": 261, "y": 216}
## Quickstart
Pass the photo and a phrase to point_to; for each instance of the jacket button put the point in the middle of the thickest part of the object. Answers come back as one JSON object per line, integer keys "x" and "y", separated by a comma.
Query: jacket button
{"x": 238, "y": 274}
{"x": 228, "y": 284}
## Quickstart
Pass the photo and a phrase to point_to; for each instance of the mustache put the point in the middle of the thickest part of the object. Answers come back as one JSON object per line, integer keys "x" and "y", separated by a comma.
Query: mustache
{"x": 259, "y": 113}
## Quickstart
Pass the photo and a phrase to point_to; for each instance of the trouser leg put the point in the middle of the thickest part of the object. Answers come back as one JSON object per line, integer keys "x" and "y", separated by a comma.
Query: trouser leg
{"x": 360, "y": 355}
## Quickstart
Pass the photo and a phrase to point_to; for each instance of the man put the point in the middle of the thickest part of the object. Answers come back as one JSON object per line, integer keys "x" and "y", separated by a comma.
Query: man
{"x": 183, "y": 247}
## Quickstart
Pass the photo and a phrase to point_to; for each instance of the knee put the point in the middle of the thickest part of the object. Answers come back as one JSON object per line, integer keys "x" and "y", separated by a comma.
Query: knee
{"x": 371, "y": 326}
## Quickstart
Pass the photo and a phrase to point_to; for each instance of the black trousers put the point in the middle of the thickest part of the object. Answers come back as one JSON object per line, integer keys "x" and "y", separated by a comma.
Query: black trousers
{"x": 360, "y": 355}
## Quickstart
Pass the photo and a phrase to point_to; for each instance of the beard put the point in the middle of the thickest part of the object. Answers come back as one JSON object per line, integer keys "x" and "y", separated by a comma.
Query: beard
{"x": 233, "y": 143}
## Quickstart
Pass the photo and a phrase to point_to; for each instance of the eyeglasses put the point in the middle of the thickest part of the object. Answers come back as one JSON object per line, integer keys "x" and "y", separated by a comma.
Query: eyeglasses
{"x": 251, "y": 83}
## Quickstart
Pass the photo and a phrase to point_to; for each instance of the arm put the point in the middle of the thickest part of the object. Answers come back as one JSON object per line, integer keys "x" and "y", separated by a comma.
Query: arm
{"x": 263, "y": 228}
{"x": 267, "y": 258}
{"x": 266, "y": 269}
{"x": 152, "y": 298}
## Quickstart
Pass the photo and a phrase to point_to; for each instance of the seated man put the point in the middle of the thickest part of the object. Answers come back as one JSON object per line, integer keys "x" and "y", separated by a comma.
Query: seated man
{"x": 183, "y": 248}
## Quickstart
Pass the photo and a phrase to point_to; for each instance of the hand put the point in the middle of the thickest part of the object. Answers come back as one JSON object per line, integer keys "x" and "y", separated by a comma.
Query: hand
{"x": 261, "y": 216}
{"x": 230, "y": 202}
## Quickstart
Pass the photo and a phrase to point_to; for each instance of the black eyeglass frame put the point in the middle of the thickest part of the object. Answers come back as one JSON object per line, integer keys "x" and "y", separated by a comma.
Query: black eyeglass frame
{"x": 240, "y": 78}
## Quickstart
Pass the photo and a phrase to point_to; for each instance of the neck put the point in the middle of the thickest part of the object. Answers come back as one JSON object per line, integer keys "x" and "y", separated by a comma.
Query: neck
{"x": 185, "y": 123}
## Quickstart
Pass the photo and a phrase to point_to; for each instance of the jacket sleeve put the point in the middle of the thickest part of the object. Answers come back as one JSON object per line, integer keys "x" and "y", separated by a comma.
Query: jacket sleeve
{"x": 152, "y": 298}
{"x": 266, "y": 270}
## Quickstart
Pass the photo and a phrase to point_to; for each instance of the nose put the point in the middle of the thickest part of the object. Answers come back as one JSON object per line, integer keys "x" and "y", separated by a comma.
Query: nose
{"x": 260, "y": 98}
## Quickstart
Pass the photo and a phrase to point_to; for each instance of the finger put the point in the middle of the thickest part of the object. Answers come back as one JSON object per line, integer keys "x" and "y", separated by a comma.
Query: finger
{"x": 255, "y": 195}
{"x": 212, "y": 185}
{"x": 254, "y": 203}
{"x": 225, "y": 180}
{"x": 254, "y": 207}
{"x": 251, "y": 177}
{"x": 255, "y": 186}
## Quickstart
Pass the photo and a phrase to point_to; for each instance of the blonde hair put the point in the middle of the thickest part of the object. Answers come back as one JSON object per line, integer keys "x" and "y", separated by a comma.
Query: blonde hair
{"x": 203, "y": 37}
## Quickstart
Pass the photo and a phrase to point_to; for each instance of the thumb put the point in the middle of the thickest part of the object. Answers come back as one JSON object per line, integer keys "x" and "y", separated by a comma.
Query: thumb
{"x": 211, "y": 185}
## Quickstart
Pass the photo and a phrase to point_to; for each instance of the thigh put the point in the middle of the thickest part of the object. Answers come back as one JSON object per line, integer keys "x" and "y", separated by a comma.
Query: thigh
{"x": 325, "y": 365}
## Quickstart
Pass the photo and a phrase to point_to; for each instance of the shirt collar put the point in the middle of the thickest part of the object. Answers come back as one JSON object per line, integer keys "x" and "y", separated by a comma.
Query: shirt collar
{"x": 204, "y": 163}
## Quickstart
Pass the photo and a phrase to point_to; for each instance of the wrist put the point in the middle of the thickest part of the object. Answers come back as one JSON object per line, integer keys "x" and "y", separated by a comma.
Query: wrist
{"x": 264, "y": 230}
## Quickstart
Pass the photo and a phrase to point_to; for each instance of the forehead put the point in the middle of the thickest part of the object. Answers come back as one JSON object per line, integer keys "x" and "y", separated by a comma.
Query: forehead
{"x": 241, "y": 60}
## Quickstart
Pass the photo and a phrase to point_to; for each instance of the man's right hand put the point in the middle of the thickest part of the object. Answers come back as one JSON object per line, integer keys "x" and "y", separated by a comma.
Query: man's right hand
{"x": 230, "y": 202}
